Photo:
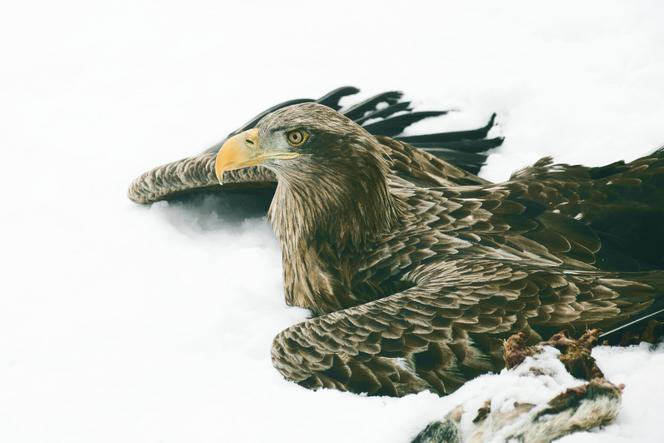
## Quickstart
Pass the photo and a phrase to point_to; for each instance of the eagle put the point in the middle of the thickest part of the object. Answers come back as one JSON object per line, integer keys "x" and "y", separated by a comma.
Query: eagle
{"x": 416, "y": 270}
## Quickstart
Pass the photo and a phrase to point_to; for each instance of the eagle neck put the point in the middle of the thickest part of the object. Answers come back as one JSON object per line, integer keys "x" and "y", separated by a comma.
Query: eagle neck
{"x": 325, "y": 227}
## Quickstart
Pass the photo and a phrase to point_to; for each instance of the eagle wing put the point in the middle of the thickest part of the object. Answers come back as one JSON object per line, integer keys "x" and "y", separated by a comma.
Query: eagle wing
{"x": 384, "y": 115}
{"x": 449, "y": 327}
{"x": 620, "y": 202}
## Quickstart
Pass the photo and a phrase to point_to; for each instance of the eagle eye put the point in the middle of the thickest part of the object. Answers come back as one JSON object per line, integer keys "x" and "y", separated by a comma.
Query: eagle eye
{"x": 297, "y": 137}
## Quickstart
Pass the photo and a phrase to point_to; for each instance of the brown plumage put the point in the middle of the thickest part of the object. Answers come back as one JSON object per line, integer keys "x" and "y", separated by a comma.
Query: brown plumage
{"x": 416, "y": 281}
{"x": 416, "y": 269}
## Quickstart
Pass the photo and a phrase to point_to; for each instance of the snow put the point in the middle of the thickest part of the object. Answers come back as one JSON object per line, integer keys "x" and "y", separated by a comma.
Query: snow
{"x": 141, "y": 324}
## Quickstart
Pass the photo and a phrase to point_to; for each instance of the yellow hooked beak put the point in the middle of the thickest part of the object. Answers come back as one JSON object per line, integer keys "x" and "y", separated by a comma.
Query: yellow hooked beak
{"x": 244, "y": 150}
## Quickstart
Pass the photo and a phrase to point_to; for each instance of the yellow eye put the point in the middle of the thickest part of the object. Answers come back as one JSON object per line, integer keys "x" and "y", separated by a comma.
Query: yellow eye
{"x": 297, "y": 137}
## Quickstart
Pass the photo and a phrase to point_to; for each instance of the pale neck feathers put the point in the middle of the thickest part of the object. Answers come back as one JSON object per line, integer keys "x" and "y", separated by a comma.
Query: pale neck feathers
{"x": 325, "y": 214}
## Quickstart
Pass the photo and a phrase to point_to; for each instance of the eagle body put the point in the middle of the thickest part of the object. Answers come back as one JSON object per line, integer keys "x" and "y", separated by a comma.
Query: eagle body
{"x": 415, "y": 269}
{"x": 416, "y": 283}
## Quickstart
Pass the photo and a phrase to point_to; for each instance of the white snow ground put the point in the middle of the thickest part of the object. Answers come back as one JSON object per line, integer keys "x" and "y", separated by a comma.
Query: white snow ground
{"x": 135, "y": 324}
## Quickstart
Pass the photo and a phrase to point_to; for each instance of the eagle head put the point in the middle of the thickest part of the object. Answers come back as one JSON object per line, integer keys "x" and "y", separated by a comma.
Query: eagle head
{"x": 332, "y": 195}
{"x": 304, "y": 142}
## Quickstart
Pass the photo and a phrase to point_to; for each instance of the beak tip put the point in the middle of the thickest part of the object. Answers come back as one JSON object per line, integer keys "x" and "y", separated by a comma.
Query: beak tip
{"x": 219, "y": 175}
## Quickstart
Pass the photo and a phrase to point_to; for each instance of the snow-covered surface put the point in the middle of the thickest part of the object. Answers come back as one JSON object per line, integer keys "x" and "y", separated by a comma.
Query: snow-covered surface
{"x": 121, "y": 323}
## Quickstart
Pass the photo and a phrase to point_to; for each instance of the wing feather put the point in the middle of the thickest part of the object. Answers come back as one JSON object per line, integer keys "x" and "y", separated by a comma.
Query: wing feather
{"x": 435, "y": 336}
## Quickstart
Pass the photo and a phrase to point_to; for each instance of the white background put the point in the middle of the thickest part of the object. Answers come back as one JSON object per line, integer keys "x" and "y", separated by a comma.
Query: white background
{"x": 137, "y": 324}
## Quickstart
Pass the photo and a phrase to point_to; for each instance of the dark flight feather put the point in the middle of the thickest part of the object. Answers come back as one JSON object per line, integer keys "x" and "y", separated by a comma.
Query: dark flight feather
{"x": 450, "y": 137}
{"x": 370, "y": 105}
{"x": 332, "y": 98}
{"x": 395, "y": 125}
{"x": 384, "y": 112}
